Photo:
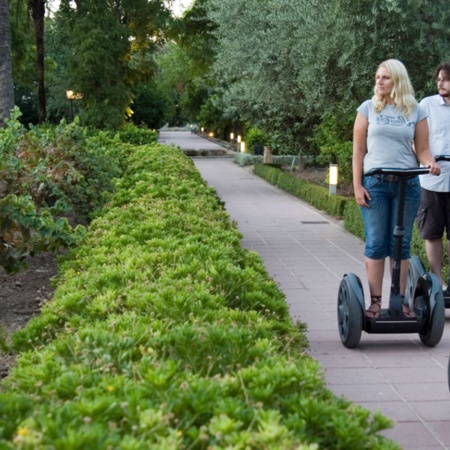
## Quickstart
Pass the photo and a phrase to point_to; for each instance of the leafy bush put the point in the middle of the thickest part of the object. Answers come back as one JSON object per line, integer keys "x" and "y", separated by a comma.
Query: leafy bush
{"x": 48, "y": 174}
{"x": 255, "y": 136}
{"x": 165, "y": 333}
{"x": 137, "y": 135}
{"x": 333, "y": 137}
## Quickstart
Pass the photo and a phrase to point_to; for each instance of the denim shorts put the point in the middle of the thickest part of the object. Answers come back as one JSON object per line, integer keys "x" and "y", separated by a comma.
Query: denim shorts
{"x": 380, "y": 217}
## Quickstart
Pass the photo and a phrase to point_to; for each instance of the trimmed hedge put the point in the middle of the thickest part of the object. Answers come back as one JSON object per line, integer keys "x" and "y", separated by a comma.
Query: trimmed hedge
{"x": 164, "y": 333}
{"x": 247, "y": 159}
{"x": 317, "y": 196}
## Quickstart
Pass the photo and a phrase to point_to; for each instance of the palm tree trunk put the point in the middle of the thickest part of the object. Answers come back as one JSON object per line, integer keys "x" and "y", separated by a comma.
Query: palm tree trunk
{"x": 6, "y": 80}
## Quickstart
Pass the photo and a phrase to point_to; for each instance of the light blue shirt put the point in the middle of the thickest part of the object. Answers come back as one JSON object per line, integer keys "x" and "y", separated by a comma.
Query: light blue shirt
{"x": 439, "y": 126}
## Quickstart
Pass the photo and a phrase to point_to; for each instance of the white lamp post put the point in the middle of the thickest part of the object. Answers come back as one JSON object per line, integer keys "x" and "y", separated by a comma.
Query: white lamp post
{"x": 333, "y": 179}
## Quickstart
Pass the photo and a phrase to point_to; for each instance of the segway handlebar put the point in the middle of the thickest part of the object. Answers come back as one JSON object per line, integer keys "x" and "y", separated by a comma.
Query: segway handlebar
{"x": 406, "y": 173}
{"x": 442, "y": 158}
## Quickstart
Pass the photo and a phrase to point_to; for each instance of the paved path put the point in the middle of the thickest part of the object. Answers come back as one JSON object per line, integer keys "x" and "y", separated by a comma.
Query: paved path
{"x": 307, "y": 253}
{"x": 187, "y": 140}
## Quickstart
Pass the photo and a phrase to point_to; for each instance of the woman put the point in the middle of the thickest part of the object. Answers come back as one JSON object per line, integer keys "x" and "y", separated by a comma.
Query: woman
{"x": 390, "y": 131}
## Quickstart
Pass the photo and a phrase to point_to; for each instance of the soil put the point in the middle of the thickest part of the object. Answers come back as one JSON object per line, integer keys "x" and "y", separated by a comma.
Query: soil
{"x": 22, "y": 294}
{"x": 21, "y": 297}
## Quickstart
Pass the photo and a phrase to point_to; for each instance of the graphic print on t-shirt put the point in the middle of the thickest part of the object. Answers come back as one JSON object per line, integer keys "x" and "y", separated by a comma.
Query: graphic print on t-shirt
{"x": 393, "y": 121}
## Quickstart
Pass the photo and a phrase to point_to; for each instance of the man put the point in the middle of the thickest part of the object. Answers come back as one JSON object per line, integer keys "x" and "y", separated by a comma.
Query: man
{"x": 434, "y": 212}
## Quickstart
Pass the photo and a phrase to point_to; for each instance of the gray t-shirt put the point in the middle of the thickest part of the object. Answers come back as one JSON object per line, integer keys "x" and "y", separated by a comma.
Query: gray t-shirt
{"x": 390, "y": 136}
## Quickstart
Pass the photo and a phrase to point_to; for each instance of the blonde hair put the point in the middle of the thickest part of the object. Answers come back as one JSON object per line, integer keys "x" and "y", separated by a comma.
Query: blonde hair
{"x": 402, "y": 90}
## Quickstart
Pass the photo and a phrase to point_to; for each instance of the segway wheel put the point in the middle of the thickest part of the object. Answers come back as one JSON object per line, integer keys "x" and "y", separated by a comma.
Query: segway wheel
{"x": 432, "y": 333}
{"x": 349, "y": 310}
{"x": 448, "y": 373}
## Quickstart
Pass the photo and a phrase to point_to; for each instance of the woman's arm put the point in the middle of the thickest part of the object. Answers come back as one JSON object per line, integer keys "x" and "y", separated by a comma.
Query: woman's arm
{"x": 359, "y": 151}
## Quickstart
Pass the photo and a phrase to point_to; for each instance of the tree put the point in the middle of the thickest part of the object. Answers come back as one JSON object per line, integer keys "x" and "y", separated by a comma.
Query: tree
{"x": 284, "y": 64}
{"x": 37, "y": 9}
{"x": 6, "y": 80}
{"x": 103, "y": 50}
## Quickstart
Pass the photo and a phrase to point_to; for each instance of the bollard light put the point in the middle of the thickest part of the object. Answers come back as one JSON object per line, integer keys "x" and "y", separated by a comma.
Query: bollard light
{"x": 211, "y": 134}
{"x": 202, "y": 129}
{"x": 242, "y": 147}
{"x": 333, "y": 179}
{"x": 231, "y": 136}
{"x": 239, "y": 139}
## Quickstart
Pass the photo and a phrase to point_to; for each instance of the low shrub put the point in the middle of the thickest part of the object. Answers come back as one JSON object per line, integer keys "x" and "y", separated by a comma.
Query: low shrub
{"x": 318, "y": 196}
{"x": 248, "y": 159}
{"x": 165, "y": 333}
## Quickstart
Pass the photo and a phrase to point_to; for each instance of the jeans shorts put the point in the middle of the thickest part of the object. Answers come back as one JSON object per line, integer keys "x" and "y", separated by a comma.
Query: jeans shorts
{"x": 380, "y": 217}
{"x": 434, "y": 215}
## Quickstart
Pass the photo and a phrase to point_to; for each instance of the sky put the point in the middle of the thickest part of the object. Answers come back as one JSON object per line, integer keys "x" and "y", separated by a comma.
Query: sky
{"x": 178, "y": 6}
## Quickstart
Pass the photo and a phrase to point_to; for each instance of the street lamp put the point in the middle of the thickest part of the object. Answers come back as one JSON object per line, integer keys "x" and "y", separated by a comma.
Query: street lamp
{"x": 71, "y": 96}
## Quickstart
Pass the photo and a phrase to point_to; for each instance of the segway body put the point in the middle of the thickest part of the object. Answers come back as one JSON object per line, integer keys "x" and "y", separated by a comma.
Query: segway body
{"x": 423, "y": 294}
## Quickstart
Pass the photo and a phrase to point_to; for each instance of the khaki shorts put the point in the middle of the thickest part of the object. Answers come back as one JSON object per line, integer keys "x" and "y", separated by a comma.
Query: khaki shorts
{"x": 433, "y": 216}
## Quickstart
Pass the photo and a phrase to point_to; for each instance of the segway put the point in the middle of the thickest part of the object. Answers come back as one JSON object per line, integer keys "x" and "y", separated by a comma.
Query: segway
{"x": 424, "y": 297}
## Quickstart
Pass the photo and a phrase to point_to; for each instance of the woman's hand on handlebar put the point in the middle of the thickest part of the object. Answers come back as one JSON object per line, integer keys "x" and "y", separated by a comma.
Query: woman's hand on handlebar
{"x": 434, "y": 168}
{"x": 361, "y": 195}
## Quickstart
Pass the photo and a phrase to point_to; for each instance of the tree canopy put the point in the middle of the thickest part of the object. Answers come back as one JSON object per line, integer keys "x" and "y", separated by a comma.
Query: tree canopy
{"x": 284, "y": 64}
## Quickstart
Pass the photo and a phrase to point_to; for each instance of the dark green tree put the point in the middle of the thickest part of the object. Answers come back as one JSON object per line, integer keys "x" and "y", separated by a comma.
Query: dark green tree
{"x": 102, "y": 50}
{"x": 6, "y": 80}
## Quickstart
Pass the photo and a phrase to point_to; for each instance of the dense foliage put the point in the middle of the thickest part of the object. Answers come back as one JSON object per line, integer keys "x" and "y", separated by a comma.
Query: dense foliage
{"x": 286, "y": 65}
{"x": 50, "y": 176}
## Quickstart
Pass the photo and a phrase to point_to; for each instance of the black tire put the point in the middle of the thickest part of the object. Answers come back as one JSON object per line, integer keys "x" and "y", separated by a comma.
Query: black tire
{"x": 432, "y": 333}
{"x": 349, "y": 311}
{"x": 448, "y": 373}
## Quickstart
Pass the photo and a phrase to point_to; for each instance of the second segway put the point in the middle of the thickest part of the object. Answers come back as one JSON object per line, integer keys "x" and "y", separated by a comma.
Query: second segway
{"x": 425, "y": 295}
{"x": 447, "y": 290}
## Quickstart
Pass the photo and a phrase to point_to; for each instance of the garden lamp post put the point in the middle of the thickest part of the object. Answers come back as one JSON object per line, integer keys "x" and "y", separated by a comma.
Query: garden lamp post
{"x": 71, "y": 97}
{"x": 333, "y": 179}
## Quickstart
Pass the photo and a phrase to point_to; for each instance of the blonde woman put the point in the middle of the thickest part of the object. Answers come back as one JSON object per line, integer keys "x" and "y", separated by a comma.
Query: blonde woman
{"x": 390, "y": 131}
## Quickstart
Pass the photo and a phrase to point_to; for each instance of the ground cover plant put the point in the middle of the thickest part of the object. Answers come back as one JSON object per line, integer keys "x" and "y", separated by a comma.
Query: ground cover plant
{"x": 164, "y": 333}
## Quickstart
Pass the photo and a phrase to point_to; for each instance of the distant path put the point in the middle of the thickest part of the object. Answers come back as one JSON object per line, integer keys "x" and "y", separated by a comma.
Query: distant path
{"x": 187, "y": 141}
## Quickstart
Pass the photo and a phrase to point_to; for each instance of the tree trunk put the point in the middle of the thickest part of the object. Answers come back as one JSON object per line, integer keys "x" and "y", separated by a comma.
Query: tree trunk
{"x": 6, "y": 80}
{"x": 37, "y": 8}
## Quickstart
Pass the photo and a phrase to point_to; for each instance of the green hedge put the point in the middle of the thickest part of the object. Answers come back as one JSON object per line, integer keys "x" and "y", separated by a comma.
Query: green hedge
{"x": 317, "y": 196}
{"x": 248, "y": 159}
{"x": 164, "y": 333}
